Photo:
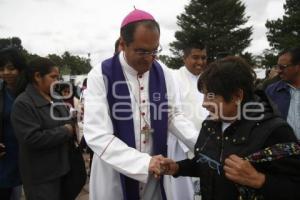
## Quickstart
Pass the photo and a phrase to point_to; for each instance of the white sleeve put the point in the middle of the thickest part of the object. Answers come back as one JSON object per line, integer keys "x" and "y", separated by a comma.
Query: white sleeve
{"x": 179, "y": 125}
{"x": 98, "y": 132}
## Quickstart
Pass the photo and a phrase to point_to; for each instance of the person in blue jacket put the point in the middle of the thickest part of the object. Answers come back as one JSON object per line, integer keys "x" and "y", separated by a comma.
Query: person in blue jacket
{"x": 286, "y": 92}
{"x": 12, "y": 83}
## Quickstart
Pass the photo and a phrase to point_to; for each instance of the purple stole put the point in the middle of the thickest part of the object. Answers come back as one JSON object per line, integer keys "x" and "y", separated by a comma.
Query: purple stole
{"x": 123, "y": 122}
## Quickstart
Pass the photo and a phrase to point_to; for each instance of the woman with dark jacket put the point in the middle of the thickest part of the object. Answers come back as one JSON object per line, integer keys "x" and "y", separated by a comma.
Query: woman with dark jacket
{"x": 244, "y": 150}
{"x": 45, "y": 134}
{"x": 12, "y": 82}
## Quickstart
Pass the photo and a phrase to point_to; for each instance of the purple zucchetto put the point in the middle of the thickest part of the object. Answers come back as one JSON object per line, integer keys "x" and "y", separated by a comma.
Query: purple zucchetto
{"x": 135, "y": 16}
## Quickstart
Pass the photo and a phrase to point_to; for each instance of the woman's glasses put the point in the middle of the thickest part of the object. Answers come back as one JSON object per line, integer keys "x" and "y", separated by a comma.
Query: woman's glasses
{"x": 213, "y": 164}
{"x": 268, "y": 154}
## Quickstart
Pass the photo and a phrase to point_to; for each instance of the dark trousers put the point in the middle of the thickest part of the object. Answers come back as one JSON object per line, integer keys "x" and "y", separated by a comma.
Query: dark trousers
{"x": 44, "y": 191}
{"x": 5, "y": 193}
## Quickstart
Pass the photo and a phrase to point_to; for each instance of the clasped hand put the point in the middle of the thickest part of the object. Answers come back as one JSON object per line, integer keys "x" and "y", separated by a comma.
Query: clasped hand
{"x": 160, "y": 165}
{"x": 236, "y": 169}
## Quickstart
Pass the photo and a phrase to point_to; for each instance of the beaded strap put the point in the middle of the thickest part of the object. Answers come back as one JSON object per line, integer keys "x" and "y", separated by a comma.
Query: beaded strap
{"x": 274, "y": 152}
{"x": 268, "y": 154}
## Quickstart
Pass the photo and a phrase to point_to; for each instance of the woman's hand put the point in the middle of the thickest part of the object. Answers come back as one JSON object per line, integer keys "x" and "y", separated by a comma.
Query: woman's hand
{"x": 169, "y": 166}
{"x": 242, "y": 172}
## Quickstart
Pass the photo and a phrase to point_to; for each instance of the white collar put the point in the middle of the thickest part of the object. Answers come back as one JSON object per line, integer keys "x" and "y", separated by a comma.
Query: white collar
{"x": 191, "y": 75}
{"x": 125, "y": 65}
{"x": 225, "y": 125}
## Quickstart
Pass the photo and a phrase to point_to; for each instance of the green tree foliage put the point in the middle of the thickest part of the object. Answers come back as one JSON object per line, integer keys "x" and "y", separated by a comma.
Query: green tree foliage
{"x": 172, "y": 62}
{"x": 16, "y": 43}
{"x": 68, "y": 64}
{"x": 250, "y": 58}
{"x": 285, "y": 32}
{"x": 269, "y": 58}
{"x": 220, "y": 24}
{"x": 11, "y": 42}
{"x": 59, "y": 61}
{"x": 76, "y": 64}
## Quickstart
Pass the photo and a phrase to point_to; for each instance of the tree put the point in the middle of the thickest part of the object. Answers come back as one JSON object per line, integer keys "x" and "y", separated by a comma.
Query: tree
{"x": 220, "y": 24}
{"x": 11, "y": 42}
{"x": 269, "y": 58}
{"x": 16, "y": 43}
{"x": 75, "y": 65}
{"x": 174, "y": 62}
{"x": 68, "y": 64}
{"x": 285, "y": 33}
{"x": 250, "y": 58}
{"x": 60, "y": 63}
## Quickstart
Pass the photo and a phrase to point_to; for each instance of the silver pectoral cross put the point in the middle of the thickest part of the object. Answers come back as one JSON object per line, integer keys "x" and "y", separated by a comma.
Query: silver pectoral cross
{"x": 146, "y": 131}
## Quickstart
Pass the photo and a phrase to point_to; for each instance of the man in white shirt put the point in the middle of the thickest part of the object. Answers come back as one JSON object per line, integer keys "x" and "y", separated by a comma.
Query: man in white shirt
{"x": 130, "y": 105}
{"x": 195, "y": 60}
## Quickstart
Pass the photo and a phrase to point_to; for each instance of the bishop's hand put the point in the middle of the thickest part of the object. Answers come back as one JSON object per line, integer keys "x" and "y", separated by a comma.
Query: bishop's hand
{"x": 155, "y": 166}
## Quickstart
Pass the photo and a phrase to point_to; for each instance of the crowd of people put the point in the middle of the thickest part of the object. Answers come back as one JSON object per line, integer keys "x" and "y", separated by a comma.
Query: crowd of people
{"x": 205, "y": 131}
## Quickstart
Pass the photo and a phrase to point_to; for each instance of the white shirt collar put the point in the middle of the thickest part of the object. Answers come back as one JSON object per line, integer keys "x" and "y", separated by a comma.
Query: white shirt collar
{"x": 191, "y": 76}
{"x": 225, "y": 125}
{"x": 125, "y": 65}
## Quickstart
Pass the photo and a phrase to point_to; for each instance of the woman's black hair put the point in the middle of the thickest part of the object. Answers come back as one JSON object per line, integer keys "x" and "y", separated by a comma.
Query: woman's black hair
{"x": 226, "y": 76}
{"x": 16, "y": 58}
{"x": 40, "y": 65}
{"x": 188, "y": 48}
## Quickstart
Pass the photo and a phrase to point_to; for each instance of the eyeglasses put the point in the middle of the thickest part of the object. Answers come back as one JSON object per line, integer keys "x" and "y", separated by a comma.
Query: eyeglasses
{"x": 143, "y": 52}
{"x": 282, "y": 67}
{"x": 213, "y": 164}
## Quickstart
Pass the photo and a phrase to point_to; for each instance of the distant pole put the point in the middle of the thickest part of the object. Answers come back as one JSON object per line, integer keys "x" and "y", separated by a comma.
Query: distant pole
{"x": 89, "y": 57}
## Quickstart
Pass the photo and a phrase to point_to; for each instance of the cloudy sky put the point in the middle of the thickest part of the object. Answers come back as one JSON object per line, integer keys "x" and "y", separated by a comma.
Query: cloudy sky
{"x": 92, "y": 26}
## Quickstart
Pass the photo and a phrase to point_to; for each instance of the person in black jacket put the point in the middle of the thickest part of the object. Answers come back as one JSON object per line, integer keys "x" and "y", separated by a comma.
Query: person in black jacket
{"x": 45, "y": 133}
{"x": 229, "y": 154}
